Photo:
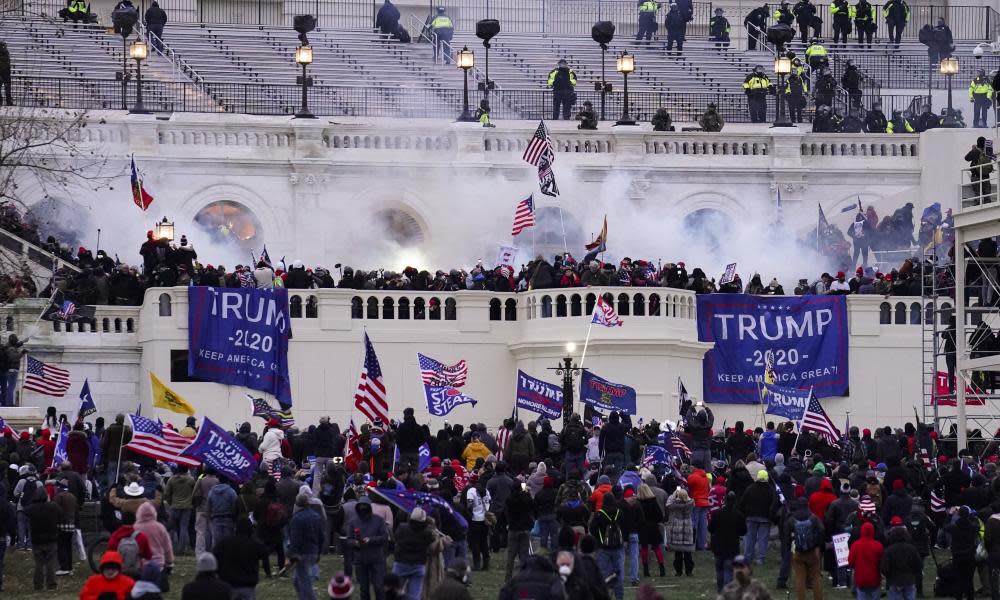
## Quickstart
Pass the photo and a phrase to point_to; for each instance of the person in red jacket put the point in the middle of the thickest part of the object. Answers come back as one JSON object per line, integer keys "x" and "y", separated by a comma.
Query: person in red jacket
{"x": 865, "y": 557}
{"x": 698, "y": 488}
{"x": 603, "y": 487}
{"x": 109, "y": 581}
{"x": 48, "y": 446}
{"x": 820, "y": 500}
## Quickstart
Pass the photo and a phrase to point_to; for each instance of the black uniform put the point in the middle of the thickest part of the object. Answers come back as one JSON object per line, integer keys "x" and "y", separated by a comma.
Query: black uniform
{"x": 865, "y": 21}
{"x": 805, "y": 12}
{"x": 756, "y": 25}
{"x": 676, "y": 25}
{"x": 875, "y": 121}
{"x": 826, "y": 87}
{"x": 796, "y": 92}
{"x": 841, "y": 11}
{"x": 562, "y": 80}
{"x": 387, "y": 19}
{"x": 851, "y": 80}
{"x": 897, "y": 13}
{"x": 718, "y": 31}
{"x": 156, "y": 20}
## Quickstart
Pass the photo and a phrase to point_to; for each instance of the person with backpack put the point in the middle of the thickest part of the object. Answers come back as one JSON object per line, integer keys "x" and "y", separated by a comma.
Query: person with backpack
{"x": 160, "y": 546}
{"x": 807, "y": 535}
{"x": 221, "y": 503}
{"x": 131, "y": 545}
{"x": 109, "y": 582}
{"x": 271, "y": 515}
{"x": 43, "y": 518}
{"x": 24, "y": 492}
{"x": 239, "y": 558}
{"x": 605, "y": 526}
{"x": 573, "y": 440}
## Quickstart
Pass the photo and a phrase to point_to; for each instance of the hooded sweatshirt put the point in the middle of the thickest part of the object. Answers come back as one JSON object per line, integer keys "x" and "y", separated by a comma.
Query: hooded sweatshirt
{"x": 821, "y": 500}
{"x": 99, "y": 584}
{"x": 156, "y": 534}
{"x": 865, "y": 558}
{"x": 270, "y": 446}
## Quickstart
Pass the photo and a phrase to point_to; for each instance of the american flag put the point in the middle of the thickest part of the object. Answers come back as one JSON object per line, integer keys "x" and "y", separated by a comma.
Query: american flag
{"x": 150, "y": 438}
{"x": 262, "y": 409}
{"x": 437, "y": 374}
{"x": 926, "y": 459}
{"x": 677, "y": 445}
{"x": 504, "y": 434}
{"x": 816, "y": 420}
{"x": 937, "y": 502}
{"x": 371, "y": 398}
{"x": 547, "y": 179}
{"x": 275, "y": 470}
{"x": 4, "y": 428}
{"x": 655, "y": 455}
{"x": 46, "y": 379}
{"x": 539, "y": 147}
{"x": 524, "y": 215}
{"x": 604, "y": 314}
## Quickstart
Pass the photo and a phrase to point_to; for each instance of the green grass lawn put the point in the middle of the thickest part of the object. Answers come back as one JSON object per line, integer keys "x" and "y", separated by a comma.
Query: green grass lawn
{"x": 19, "y": 567}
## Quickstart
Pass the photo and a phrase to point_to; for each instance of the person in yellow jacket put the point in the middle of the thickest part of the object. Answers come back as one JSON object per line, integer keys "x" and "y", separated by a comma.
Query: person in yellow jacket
{"x": 562, "y": 80}
{"x": 897, "y": 15}
{"x": 475, "y": 449}
{"x": 842, "y": 14}
{"x": 816, "y": 55}
{"x": 647, "y": 19}
{"x": 981, "y": 94}
{"x": 757, "y": 86}
{"x": 444, "y": 29}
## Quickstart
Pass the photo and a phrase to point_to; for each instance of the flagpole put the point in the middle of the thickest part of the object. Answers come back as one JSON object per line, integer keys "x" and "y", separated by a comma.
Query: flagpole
{"x": 803, "y": 418}
{"x": 562, "y": 225}
{"x": 590, "y": 328}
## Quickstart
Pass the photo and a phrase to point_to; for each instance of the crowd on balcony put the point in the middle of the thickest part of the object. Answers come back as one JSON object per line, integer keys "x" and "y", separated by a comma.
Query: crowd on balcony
{"x": 99, "y": 279}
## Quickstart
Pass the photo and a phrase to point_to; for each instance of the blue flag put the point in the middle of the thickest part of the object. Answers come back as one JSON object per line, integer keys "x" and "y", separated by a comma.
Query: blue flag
{"x": 87, "y": 405}
{"x": 605, "y": 395}
{"x": 240, "y": 337}
{"x": 406, "y": 501}
{"x": 655, "y": 455}
{"x": 785, "y": 402}
{"x": 425, "y": 457}
{"x": 629, "y": 479}
{"x": 538, "y": 396}
{"x": 60, "y": 453}
{"x": 442, "y": 400}
{"x": 226, "y": 454}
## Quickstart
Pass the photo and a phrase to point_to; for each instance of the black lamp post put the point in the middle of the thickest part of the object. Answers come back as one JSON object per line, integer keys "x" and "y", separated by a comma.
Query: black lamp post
{"x": 304, "y": 57}
{"x": 465, "y": 60}
{"x": 949, "y": 68}
{"x": 625, "y": 65}
{"x": 782, "y": 67}
{"x": 138, "y": 52}
{"x": 603, "y": 32}
{"x": 568, "y": 370}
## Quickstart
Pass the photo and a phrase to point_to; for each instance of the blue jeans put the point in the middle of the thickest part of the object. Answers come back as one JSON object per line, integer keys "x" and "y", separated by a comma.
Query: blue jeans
{"x": 755, "y": 541}
{"x": 3, "y": 553}
{"x": 412, "y": 576}
{"x": 8, "y": 386}
{"x": 902, "y": 592}
{"x": 221, "y": 529}
{"x": 458, "y": 549}
{"x": 723, "y": 572}
{"x": 699, "y": 522}
{"x": 306, "y": 572}
{"x": 633, "y": 556}
{"x": 872, "y": 593}
{"x": 786, "y": 562}
{"x": 548, "y": 527}
{"x": 612, "y": 562}
{"x": 180, "y": 525}
{"x": 23, "y": 531}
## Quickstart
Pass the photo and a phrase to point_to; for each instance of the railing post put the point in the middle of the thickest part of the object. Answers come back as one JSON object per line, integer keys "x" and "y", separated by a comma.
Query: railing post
{"x": 245, "y": 91}
{"x": 260, "y": 10}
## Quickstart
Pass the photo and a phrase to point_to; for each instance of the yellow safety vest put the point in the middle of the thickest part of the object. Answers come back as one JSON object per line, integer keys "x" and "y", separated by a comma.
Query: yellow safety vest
{"x": 980, "y": 87}
{"x": 442, "y": 21}
{"x": 815, "y": 50}
{"x": 484, "y": 119}
{"x": 712, "y": 23}
{"x": 757, "y": 82}
{"x": 648, "y": 6}
{"x": 552, "y": 77}
{"x": 836, "y": 10}
{"x": 885, "y": 10}
{"x": 77, "y": 6}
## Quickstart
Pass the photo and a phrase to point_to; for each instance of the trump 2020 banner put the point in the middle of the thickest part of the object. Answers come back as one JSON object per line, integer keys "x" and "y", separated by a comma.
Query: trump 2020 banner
{"x": 240, "y": 337}
{"x": 785, "y": 402}
{"x": 538, "y": 396}
{"x": 606, "y": 396}
{"x": 226, "y": 454}
{"x": 807, "y": 336}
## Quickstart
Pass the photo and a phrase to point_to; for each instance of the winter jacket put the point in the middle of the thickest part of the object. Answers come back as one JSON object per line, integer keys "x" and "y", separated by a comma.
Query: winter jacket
{"x": 680, "y": 534}
{"x": 865, "y": 557}
{"x": 161, "y": 549}
{"x": 768, "y": 445}
{"x": 372, "y": 528}
{"x": 898, "y": 504}
{"x": 900, "y": 562}
{"x": 305, "y": 533}
{"x": 821, "y": 500}
{"x": 98, "y": 585}
{"x": 270, "y": 446}
{"x": 43, "y": 517}
{"x": 474, "y": 450}
{"x": 240, "y": 557}
{"x": 78, "y": 450}
{"x": 451, "y": 588}
{"x": 221, "y": 502}
{"x": 537, "y": 580}
{"x": 726, "y": 528}
{"x": 520, "y": 447}
{"x": 206, "y": 586}
{"x": 698, "y": 487}
{"x": 520, "y": 511}
{"x": 412, "y": 542}
{"x": 757, "y": 500}
{"x": 324, "y": 443}
{"x": 179, "y": 491}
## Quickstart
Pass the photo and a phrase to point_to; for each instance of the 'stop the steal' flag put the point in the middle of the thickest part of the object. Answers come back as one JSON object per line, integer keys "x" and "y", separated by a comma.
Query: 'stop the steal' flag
{"x": 239, "y": 336}
{"x": 604, "y": 314}
{"x": 605, "y": 395}
{"x": 538, "y": 396}
{"x": 226, "y": 454}
{"x": 806, "y": 334}
{"x": 441, "y": 400}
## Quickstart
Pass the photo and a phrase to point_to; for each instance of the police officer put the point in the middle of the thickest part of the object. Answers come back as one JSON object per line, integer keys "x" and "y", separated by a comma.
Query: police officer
{"x": 756, "y": 26}
{"x": 483, "y": 113}
{"x": 826, "y": 87}
{"x": 444, "y": 28}
{"x": 823, "y": 121}
{"x": 676, "y": 24}
{"x": 562, "y": 80}
{"x": 875, "y": 121}
{"x": 865, "y": 21}
{"x": 647, "y": 19}
{"x": 798, "y": 67}
{"x": 796, "y": 92}
{"x": 783, "y": 14}
{"x": 851, "y": 80}
{"x": 5, "y": 74}
{"x": 842, "y": 14}
{"x": 711, "y": 120}
{"x": 816, "y": 55}
{"x": 718, "y": 29}
{"x": 587, "y": 117}
{"x": 981, "y": 94}
{"x": 804, "y": 12}
{"x": 897, "y": 15}
{"x": 756, "y": 87}
{"x": 76, "y": 11}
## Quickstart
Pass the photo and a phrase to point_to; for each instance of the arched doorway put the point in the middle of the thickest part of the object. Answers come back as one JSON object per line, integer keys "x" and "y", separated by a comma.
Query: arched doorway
{"x": 399, "y": 227}
{"x": 229, "y": 222}
{"x": 711, "y": 226}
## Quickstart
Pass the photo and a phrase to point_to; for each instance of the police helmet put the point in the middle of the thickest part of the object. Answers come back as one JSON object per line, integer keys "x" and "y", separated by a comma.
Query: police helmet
{"x": 758, "y": 69}
{"x": 440, "y": 10}
{"x": 719, "y": 11}
{"x": 981, "y": 73}
{"x": 562, "y": 62}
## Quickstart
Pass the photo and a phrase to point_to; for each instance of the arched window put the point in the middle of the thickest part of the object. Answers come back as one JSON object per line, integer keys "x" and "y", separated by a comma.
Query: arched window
{"x": 165, "y": 308}
{"x": 654, "y": 305}
{"x": 404, "y": 308}
{"x": 118, "y": 325}
{"x": 372, "y": 308}
{"x": 435, "y": 309}
{"x": 295, "y": 307}
{"x": 9, "y": 324}
{"x": 129, "y": 325}
{"x": 546, "y": 306}
{"x": 450, "y": 309}
{"x": 312, "y": 307}
{"x": 885, "y": 314}
{"x": 510, "y": 310}
{"x": 575, "y": 305}
{"x": 639, "y": 305}
{"x": 228, "y": 222}
{"x": 900, "y": 314}
{"x": 106, "y": 325}
{"x": 591, "y": 301}
{"x": 623, "y": 305}
{"x": 929, "y": 313}
{"x": 495, "y": 309}
{"x": 915, "y": 313}
{"x": 561, "y": 305}
{"x": 388, "y": 308}
{"x": 357, "y": 308}
{"x": 419, "y": 309}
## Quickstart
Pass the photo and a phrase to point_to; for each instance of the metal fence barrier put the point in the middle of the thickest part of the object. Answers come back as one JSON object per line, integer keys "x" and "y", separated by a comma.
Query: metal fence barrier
{"x": 389, "y": 102}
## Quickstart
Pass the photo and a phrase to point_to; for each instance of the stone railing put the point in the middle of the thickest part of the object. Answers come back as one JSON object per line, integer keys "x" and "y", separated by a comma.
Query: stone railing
{"x": 21, "y": 318}
{"x": 860, "y": 145}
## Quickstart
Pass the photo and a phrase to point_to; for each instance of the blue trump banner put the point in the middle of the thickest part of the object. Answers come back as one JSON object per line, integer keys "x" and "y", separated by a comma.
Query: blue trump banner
{"x": 442, "y": 400}
{"x": 538, "y": 396}
{"x": 215, "y": 447}
{"x": 807, "y": 336}
{"x": 240, "y": 337}
{"x": 406, "y": 501}
{"x": 606, "y": 396}
{"x": 424, "y": 456}
{"x": 60, "y": 454}
{"x": 785, "y": 402}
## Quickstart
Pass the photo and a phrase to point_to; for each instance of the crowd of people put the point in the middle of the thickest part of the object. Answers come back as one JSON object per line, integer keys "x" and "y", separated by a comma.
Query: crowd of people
{"x": 579, "y": 512}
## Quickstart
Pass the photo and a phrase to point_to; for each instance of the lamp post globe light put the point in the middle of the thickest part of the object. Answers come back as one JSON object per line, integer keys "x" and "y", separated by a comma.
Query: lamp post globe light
{"x": 465, "y": 59}
{"x": 138, "y": 52}
{"x": 304, "y": 57}
{"x": 625, "y": 65}
{"x": 782, "y": 67}
{"x": 568, "y": 370}
{"x": 164, "y": 230}
{"x": 949, "y": 68}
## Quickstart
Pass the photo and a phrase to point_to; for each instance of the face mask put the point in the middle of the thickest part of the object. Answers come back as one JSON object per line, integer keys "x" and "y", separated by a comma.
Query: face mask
{"x": 565, "y": 570}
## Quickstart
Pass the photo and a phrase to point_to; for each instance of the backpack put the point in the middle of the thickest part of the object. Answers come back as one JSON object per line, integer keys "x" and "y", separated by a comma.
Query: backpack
{"x": 575, "y": 441}
{"x": 275, "y": 515}
{"x": 806, "y": 535}
{"x": 129, "y": 549}
{"x": 614, "y": 533}
{"x": 554, "y": 445}
{"x": 28, "y": 492}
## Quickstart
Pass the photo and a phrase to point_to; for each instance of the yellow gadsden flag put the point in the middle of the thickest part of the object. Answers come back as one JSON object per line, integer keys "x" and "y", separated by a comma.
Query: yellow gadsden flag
{"x": 164, "y": 397}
